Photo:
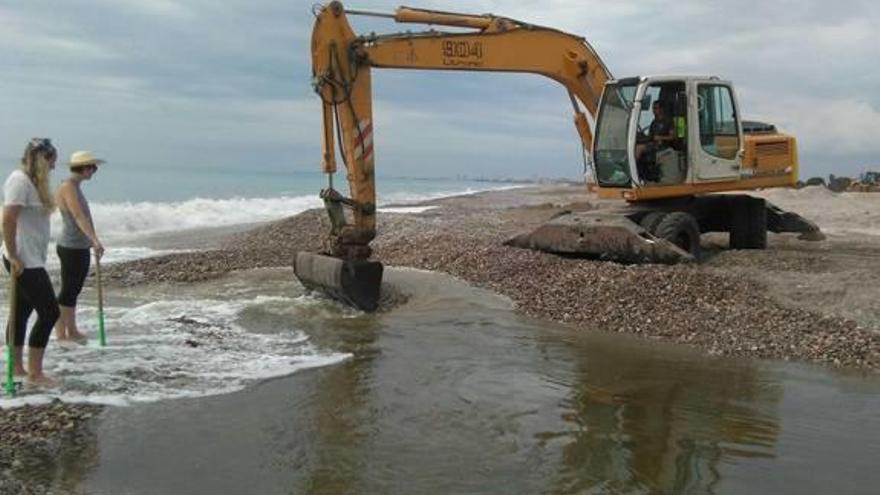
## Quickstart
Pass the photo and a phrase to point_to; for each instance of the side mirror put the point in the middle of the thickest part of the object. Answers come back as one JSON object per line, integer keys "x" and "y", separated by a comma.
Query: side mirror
{"x": 646, "y": 103}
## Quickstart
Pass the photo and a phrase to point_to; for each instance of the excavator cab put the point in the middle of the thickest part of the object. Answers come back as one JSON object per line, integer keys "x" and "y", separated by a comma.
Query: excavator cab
{"x": 661, "y": 144}
{"x": 656, "y": 132}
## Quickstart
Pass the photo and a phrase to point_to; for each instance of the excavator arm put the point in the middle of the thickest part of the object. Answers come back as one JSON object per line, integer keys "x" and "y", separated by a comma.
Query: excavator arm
{"x": 342, "y": 62}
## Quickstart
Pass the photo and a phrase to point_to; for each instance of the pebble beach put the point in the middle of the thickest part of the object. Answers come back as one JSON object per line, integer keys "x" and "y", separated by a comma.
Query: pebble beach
{"x": 719, "y": 305}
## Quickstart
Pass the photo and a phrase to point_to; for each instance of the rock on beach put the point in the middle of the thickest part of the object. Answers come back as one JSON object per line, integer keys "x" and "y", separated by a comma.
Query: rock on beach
{"x": 34, "y": 438}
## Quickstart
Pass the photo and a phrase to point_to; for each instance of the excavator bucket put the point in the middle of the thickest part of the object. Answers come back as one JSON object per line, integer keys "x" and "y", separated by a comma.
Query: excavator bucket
{"x": 355, "y": 282}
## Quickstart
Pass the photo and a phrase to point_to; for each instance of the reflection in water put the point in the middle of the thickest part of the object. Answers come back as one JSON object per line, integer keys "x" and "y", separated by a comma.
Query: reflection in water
{"x": 343, "y": 411}
{"x": 635, "y": 430}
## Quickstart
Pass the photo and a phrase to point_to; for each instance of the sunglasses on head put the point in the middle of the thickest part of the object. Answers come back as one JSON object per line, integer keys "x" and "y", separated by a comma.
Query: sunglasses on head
{"x": 44, "y": 145}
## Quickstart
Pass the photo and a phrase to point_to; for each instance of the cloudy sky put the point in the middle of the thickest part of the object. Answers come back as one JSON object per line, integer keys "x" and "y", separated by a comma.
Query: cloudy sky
{"x": 226, "y": 84}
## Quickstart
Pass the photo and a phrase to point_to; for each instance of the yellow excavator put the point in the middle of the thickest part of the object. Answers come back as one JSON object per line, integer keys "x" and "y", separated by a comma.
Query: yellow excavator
{"x": 661, "y": 143}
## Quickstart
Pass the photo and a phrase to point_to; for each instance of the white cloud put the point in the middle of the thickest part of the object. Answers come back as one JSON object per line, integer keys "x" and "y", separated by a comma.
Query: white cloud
{"x": 156, "y": 74}
{"x": 831, "y": 126}
{"x": 161, "y": 8}
{"x": 30, "y": 37}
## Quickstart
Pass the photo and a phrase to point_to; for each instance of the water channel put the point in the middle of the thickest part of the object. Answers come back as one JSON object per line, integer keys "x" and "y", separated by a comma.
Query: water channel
{"x": 451, "y": 392}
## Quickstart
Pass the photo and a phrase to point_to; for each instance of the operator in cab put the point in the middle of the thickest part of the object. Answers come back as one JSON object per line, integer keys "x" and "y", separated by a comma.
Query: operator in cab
{"x": 661, "y": 134}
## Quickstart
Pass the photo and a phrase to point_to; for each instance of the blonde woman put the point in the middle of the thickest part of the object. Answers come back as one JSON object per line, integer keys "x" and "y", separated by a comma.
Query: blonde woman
{"x": 26, "y": 209}
{"x": 77, "y": 237}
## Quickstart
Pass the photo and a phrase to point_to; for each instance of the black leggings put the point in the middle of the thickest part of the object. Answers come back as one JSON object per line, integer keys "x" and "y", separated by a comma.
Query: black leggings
{"x": 74, "y": 268}
{"x": 34, "y": 291}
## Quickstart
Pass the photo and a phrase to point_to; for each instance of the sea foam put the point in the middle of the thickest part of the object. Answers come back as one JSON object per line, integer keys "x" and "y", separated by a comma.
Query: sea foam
{"x": 118, "y": 222}
{"x": 171, "y": 349}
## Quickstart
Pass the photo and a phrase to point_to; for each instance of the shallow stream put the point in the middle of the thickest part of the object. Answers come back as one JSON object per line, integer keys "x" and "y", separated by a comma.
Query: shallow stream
{"x": 245, "y": 385}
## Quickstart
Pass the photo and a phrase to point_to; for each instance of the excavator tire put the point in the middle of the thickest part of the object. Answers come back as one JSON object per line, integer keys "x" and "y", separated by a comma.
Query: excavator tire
{"x": 650, "y": 221}
{"x": 748, "y": 226}
{"x": 681, "y": 229}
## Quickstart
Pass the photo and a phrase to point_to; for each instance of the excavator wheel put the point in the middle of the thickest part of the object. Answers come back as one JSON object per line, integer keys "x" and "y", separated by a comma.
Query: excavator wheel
{"x": 354, "y": 282}
{"x": 681, "y": 229}
{"x": 650, "y": 221}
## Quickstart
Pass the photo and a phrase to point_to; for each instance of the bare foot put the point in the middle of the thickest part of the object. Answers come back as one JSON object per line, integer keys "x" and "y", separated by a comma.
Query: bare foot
{"x": 19, "y": 372}
{"x": 67, "y": 343}
{"x": 42, "y": 381}
{"x": 77, "y": 337}
{"x": 71, "y": 341}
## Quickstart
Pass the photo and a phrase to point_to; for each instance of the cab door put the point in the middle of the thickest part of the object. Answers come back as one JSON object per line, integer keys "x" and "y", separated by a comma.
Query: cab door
{"x": 716, "y": 140}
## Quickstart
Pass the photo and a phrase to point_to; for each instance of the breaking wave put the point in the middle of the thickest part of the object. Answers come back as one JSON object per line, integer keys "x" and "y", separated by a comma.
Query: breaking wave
{"x": 119, "y": 221}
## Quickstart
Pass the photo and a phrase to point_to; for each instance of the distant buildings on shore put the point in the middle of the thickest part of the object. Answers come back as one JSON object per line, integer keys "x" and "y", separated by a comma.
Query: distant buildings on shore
{"x": 520, "y": 180}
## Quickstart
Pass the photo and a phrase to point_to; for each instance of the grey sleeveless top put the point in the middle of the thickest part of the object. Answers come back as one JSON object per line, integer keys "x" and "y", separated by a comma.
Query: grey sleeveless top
{"x": 71, "y": 235}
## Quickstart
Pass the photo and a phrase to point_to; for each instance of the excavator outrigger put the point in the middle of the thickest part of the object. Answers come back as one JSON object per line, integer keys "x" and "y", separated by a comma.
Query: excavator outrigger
{"x": 709, "y": 150}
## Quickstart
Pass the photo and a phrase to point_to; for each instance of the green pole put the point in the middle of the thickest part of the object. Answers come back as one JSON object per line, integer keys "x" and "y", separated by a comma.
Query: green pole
{"x": 102, "y": 337}
{"x": 10, "y": 337}
{"x": 10, "y": 374}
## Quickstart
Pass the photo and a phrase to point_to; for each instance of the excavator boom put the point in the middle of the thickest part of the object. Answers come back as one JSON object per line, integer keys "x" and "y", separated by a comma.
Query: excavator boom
{"x": 342, "y": 63}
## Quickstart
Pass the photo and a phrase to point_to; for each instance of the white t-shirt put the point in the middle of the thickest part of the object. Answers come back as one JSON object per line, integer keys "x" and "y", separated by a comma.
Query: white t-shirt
{"x": 32, "y": 234}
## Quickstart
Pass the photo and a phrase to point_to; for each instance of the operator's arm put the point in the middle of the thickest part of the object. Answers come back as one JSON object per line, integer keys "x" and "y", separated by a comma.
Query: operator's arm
{"x": 67, "y": 193}
{"x": 10, "y": 227}
{"x": 666, "y": 137}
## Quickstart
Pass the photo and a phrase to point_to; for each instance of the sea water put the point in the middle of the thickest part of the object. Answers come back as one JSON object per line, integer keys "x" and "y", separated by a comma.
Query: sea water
{"x": 173, "y": 342}
{"x": 129, "y": 203}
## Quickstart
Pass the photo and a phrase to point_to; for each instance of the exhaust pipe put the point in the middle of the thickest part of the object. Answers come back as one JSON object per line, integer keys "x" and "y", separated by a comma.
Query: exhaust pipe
{"x": 354, "y": 282}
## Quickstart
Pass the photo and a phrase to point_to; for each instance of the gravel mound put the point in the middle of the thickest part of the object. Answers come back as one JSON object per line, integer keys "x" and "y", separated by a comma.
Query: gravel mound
{"x": 692, "y": 304}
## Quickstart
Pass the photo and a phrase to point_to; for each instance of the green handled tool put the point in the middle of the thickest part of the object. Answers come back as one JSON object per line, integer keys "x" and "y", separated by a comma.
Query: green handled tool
{"x": 10, "y": 336}
{"x": 102, "y": 338}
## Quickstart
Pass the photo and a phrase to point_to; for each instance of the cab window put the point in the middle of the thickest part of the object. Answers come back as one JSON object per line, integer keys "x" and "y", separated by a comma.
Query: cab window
{"x": 612, "y": 169}
{"x": 718, "y": 127}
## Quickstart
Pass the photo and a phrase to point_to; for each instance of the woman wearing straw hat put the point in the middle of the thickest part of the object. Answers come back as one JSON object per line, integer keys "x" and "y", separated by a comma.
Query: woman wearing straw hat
{"x": 77, "y": 238}
{"x": 27, "y": 205}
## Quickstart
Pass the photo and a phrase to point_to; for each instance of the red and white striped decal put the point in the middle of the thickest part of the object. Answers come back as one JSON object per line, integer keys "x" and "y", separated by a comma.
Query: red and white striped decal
{"x": 363, "y": 141}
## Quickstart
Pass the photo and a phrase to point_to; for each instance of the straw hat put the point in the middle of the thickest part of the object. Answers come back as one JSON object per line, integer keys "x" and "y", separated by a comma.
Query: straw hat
{"x": 83, "y": 158}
